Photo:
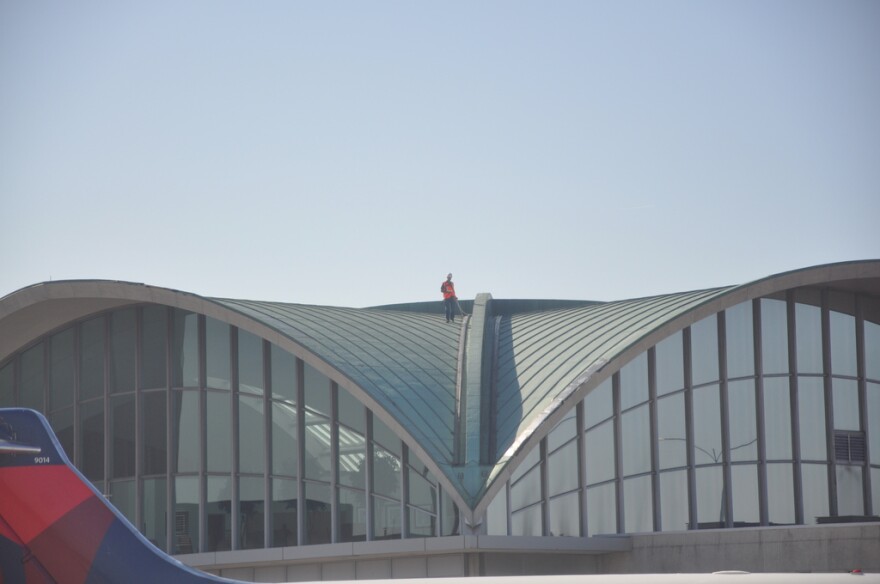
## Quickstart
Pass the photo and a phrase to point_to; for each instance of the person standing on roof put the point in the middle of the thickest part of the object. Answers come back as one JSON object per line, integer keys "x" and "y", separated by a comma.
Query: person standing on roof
{"x": 449, "y": 298}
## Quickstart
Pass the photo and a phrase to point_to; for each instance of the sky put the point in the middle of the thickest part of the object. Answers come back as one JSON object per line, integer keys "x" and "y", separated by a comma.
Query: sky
{"x": 353, "y": 153}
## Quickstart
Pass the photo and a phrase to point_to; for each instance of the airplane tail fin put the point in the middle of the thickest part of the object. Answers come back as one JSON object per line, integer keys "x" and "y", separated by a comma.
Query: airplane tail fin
{"x": 55, "y": 527}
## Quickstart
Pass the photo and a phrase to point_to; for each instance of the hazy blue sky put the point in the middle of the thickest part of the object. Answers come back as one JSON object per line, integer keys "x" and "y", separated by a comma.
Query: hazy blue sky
{"x": 353, "y": 153}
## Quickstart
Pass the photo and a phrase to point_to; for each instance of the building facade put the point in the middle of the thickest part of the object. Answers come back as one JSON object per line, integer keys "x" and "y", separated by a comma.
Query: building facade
{"x": 282, "y": 441}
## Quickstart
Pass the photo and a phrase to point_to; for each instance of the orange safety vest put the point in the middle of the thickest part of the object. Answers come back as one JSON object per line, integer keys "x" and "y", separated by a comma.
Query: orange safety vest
{"x": 448, "y": 289}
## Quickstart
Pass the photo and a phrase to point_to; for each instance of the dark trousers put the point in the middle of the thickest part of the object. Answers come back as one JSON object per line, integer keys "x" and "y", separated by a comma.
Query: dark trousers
{"x": 450, "y": 308}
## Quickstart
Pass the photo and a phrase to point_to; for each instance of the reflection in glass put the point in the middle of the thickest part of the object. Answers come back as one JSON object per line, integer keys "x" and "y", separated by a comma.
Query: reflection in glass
{"x": 251, "y": 438}
{"x": 496, "y": 514}
{"x": 284, "y": 497}
{"x": 780, "y": 494}
{"x": 317, "y": 391}
{"x": 811, "y": 413}
{"x": 185, "y": 349}
{"x": 850, "y": 497}
{"x": 155, "y": 526}
{"x": 774, "y": 336}
{"x": 526, "y": 490}
{"x": 91, "y": 364}
{"x": 843, "y": 343}
{"x": 704, "y": 350}
{"x": 351, "y": 412}
{"x": 352, "y": 515}
{"x": 562, "y": 470}
{"x": 153, "y": 351}
{"x": 637, "y": 508}
{"x": 669, "y": 364}
{"x": 219, "y": 442}
{"x": 599, "y": 453}
{"x": 122, "y": 449}
{"x": 421, "y": 524}
{"x": 634, "y": 382}
{"x": 122, "y": 495}
{"x": 30, "y": 391}
{"x": 252, "y": 511}
{"x": 710, "y": 497}
{"x": 846, "y": 404}
{"x": 186, "y": 515}
{"x": 283, "y": 439}
{"x": 217, "y": 354}
{"x": 185, "y": 428}
{"x": 352, "y": 459}
{"x": 746, "y": 509}
{"x": 671, "y": 430}
{"x": 122, "y": 350}
{"x": 636, "y": 441}
{"x": 383, "y": 435}
{"x": 674, "y": 500}
{"x": 61, "y": 370}
{"x": 449, "y": 520}
{"x": 815, "y": 488}
{"x": 809, "y": 338}
{"x": 707, "y": 425}
{"x": 874, "y": 425}
{"x": 777, "y": 418}
{"x": 250, "y": 363}
{"x": 422, "y": 490}
{"x": 526, "y": 521}
{"x": 92, "y": 439}
{"x": 62, "y": 425}
{"x": 284, "y": 378}
{"x": 564, "y": 518}
{"x": 743, "y": 425}
{"x": 7, "y": 385}
{"x": 872, "y": 350}
{"x": 219, "y": 514}
{"x": 563, "y": 432}
{"x": 601, "y": 509}
{"x": 875, "y": 489}
{"x": 598, "y": 405}
{"x": 317, "y": 447}
{"x": 387, "y": 522}
{"x": 386, "y": 473}
{"x": 740, "y": 340}
{"x": 155, "y": 437}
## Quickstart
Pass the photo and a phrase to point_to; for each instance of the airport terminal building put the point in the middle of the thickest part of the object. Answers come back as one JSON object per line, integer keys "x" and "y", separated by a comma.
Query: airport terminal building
{"x": 726, "y": 428}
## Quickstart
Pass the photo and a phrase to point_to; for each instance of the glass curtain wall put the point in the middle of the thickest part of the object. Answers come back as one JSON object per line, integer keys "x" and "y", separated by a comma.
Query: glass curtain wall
{"x": 210, "y": 438}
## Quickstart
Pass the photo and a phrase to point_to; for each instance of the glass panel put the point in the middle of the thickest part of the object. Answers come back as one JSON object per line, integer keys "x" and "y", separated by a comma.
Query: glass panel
{"x": 421, "y": 524}
{"x": 62, "y": 370}
{"x": 92, "y": 440}
{"x": 774, "y": 336}
{"x": 252, "y": 512}
{"x": 422, "y": 492}
{"x": 217, "y": 354}
{"x": 186, "y": 515}
{"x": 123, "y": 498}
{"x": 531, "y": 459}
{"x": 284, "y": 379}
{"x": 317, "y": 447}
{"x": 250, "y": 363}
{"x": 872, "y": 350}
{"x": 352, "y": 515}
{"x": 352, "y": 457}
{"x": 386, "y": 473}
{"x": 746, "y": 510}
{"x": 598, "y": 405}
{"x": 602, "y": 509}
{"x": 122, "y": 350}
{"x": 815, "y": 483}
{"x": 496, "y": 514}
{"x": 526, "y": 522}
{"x": 153, "y": 336}
{"x": 155, "y": 526}
{"x": 638, "y": 510}
{"x": 743, "y": 425}
{"x": 777, "y": 418}
{"x": 155, "y": 432}
{"x": 563, "y": 432}
{"x": 526, "y": 490}
{"x": 843, "y": 343}
{"x": 351, "y": 412}
{"x": 30, "y": 391}
{"x": 284, "y": 501}
{"x": 846, "y": 404}
{"x": 704, "y": 350}
{"x": 875, "y": 490}
{"x": 219, "y": 514}
{"x": 186, "y": 430}
{"x": 780, "y": 494}
{"x": 317, "y": 391}
{"x": 7, "y": 385}
{"x": 674, "y": 500}
{"x": 669, "y": 364}
{"x": 707, "y": 425}
{"x": 91, "y": 364}
{"x": 251, "y": 435}
{"x": 636, "y": 441}
{"x": 383, "y": 435}
{"x": 284, "y": 449}
{"x": 710, "y": 497}
{"x": 449, "y": 519}
{"x": 185, "y": 349}
{"x": 811, "y": 406}
{"x": 122, "y": 425}
{"x": 599, "y": 453}
{"x": 386, "y": 518}
{"x": 62, "y": 425}
{"x": 671, "y": 431}
{"x": 808, "y": 321}
{"x": 740, "y": 340}
{"x": 850, "y": 492}
{"x": 219, "y": 440}
{"x": 874, "y": 425}
{"x": 562, "y": 470}
{"x": 634, "y": 382}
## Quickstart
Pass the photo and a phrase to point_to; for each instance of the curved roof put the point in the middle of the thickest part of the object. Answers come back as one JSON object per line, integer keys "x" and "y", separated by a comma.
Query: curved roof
{"x": 504, "y": 377}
